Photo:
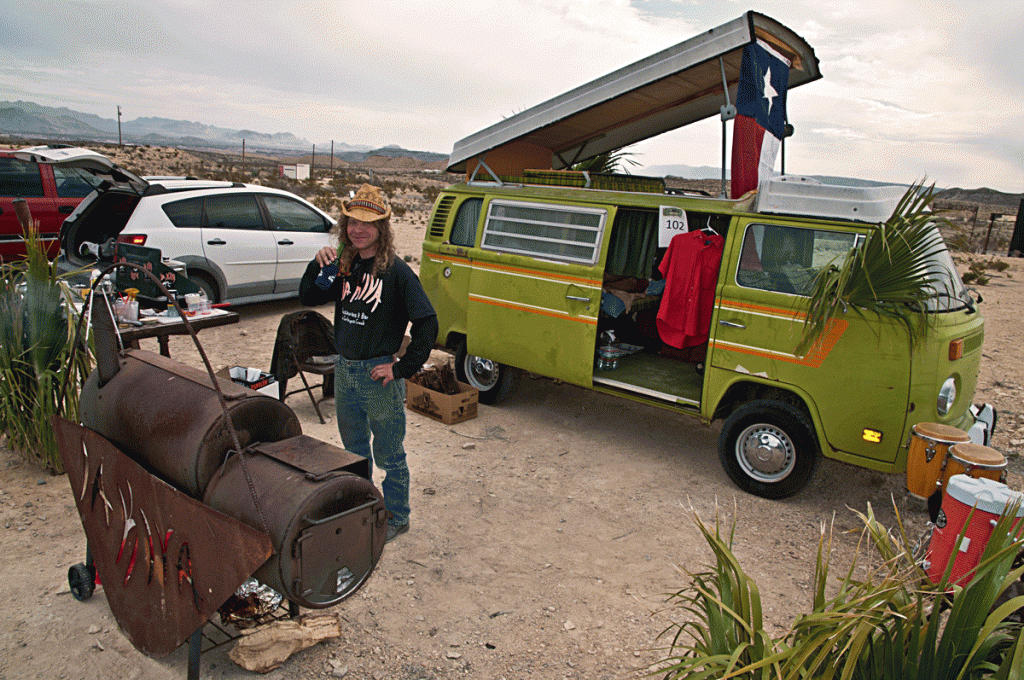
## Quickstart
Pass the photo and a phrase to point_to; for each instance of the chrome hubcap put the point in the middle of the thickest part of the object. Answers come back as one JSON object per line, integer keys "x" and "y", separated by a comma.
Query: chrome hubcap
{"x": 481, "y": 373}
{"x": 765, "y": 453}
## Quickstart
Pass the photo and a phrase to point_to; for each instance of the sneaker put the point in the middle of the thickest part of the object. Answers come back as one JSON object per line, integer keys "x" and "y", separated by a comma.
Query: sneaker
{"x": 394, "y": 530}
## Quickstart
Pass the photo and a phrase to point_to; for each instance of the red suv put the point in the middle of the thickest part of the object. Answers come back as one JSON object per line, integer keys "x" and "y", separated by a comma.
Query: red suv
{"x": 53, "y": 180}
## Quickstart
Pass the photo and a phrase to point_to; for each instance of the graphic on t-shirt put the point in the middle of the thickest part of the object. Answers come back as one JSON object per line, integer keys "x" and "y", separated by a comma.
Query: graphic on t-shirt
{"x": 368, "y": 291}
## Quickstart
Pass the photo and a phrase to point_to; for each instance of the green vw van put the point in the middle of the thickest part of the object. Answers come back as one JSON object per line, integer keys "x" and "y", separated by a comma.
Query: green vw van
{"x": 563, "y": 281}
{"x": 688, "y": 302}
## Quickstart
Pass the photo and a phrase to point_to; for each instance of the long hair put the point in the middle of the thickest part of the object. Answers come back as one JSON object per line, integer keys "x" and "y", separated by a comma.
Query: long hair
{"x": 385, "y": 246}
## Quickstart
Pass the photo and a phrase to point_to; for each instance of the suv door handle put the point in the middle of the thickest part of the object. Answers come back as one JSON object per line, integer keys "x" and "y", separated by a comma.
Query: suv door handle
{"x": 731, "y": 324}
{"x": 286, "y": 242}
{"x": 216, "y": 242}
{"x": 66, "y": 209}
{"x": 577, "y": 297}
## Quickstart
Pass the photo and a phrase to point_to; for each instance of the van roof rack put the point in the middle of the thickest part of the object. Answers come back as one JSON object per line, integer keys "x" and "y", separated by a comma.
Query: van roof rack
{"x": 805, "y": 196}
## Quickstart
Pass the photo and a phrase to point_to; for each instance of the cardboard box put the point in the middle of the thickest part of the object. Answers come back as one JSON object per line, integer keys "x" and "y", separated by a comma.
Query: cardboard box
{"x": 448, "y": 408}
{"x": 266, "y": 383}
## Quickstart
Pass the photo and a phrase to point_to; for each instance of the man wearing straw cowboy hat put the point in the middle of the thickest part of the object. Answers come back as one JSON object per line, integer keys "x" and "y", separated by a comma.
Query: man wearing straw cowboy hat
{"x": 376, "y": 295}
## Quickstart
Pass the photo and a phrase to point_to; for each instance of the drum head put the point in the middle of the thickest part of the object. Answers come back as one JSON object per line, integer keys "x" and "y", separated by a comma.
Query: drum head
{"x": 938, "y": 432}
{"x": 977, "y": 455}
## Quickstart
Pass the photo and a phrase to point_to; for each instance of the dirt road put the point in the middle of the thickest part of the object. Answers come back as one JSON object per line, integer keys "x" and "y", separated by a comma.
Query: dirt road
{"x": 545, "y": 535}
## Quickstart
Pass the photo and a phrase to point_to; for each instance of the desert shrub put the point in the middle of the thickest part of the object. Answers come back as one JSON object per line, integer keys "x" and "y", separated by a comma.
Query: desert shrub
{"x": 891, "y": 623}
{"x": 430, "y": 193}
{"x": 40, "y": 371}
{"x": 976, "y": 274}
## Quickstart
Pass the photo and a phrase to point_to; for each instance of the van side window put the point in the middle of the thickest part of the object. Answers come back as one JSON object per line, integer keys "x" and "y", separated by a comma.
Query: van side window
{"x": 466, "y": 221}
{"x": 787, "y": 259}
{"x": 547, "y": 231}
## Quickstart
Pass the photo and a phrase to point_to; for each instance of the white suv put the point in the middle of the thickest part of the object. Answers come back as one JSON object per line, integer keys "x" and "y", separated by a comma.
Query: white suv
{"x": 241, "y": 243}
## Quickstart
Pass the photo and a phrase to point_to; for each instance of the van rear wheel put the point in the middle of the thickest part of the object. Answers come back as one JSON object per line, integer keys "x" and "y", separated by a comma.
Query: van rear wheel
{"x": 768, "y": 448}
{"x": 494, "y": 381}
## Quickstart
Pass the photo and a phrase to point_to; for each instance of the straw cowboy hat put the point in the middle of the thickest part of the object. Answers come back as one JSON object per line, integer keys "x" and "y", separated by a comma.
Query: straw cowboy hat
{"x": 368, "y": 205}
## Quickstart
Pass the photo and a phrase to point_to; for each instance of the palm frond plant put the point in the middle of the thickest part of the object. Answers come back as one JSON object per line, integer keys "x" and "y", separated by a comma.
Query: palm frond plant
{"x": 609, "y": 162}
{"x": 889, "y": 623}
{"x": 36, "y": 354}
{"x": 893, "y": 274}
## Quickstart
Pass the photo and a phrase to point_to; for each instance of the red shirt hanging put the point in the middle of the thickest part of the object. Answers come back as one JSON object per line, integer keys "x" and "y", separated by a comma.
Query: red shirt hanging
{"x": 690, "y": 268}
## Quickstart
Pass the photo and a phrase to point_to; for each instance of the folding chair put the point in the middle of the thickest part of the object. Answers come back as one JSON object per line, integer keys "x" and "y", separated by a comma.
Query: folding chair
{"x": 310, "y": 336}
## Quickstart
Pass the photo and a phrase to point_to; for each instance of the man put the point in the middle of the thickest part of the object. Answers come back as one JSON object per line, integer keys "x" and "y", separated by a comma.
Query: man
{"x": 376, "y": 295}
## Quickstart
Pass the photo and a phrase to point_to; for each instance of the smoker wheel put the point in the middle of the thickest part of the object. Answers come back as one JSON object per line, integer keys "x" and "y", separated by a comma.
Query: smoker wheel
{"x": 82, "y": 581}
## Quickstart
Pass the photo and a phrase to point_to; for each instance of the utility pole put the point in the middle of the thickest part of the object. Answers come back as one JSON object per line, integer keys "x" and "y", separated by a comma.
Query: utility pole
{"x": 312, "y": 164}
{"x": 332, "y": 158}
{"x": 119, "y": 143}
{"x": 243, "y": 155}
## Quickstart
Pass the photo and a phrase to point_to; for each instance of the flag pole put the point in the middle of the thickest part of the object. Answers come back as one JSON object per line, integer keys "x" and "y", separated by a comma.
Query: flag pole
{"x": 728, "y": 112}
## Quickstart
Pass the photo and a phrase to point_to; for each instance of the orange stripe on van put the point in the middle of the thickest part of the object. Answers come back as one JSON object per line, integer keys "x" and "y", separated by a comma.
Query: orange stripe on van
{"x": 518, "y": 270}
{"x": 815, "y": 356}
{"x": 533, "y": 310}
{"x": 732, "y": 304}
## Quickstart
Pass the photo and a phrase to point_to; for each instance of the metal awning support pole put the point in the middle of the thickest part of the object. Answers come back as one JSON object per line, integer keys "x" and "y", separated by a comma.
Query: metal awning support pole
{"x": 728, "y": 113}
{"x": 481, "y": 164}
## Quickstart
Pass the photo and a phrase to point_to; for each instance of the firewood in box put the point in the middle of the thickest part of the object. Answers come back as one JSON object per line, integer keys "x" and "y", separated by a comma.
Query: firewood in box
{"x": 438, "y": 378}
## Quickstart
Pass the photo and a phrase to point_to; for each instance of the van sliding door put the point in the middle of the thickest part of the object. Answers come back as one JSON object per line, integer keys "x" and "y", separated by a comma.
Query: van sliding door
{"x": 535, "y": 292}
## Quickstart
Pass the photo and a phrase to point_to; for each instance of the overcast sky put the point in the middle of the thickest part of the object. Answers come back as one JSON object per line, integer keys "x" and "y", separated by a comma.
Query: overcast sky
{"x": 910, "y": 88}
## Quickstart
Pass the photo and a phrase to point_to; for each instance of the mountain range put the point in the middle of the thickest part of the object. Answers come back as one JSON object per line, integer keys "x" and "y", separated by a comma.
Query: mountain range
{"x": 27, "y": 119}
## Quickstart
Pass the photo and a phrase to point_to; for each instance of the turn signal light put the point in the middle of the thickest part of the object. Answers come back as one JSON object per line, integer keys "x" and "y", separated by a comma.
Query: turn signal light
{"x": 872, "y": 436}
{"x": 956, "y": 349}
{"x": 133, "y": 239}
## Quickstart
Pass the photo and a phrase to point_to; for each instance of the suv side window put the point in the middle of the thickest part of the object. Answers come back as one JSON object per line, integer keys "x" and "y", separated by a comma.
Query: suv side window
{"x": 288, "y": 215}
{"x": 466, "y": 221}
{"x": 186, "y": 214}
{"x": 786, "y": 259}
{"x": 20, "y": 178}
{"x": 74, "y": 182}
{"x": 235, "y": 211}
{"x": 547, "y": 231}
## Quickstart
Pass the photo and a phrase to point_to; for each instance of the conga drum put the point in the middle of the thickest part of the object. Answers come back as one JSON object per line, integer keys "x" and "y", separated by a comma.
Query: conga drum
{"x": 925, "y": 461}
{"x": 975, "y": 461}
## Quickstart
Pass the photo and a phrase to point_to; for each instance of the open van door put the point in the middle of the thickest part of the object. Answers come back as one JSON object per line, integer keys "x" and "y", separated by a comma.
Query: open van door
{"x": 535, "y": 293}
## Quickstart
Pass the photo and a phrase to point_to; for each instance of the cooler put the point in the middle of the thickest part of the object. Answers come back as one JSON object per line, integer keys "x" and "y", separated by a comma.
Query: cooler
{"x": 963, "y": 493}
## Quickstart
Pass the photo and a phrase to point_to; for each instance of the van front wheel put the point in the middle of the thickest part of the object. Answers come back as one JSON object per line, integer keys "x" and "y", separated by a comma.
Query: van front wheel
{"x": 493, "y": 380}
{"x": 768, "y": 448}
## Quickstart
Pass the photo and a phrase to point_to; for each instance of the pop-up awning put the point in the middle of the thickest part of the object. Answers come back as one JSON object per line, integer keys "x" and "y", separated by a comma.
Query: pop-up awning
{"x": 675, "y": 87}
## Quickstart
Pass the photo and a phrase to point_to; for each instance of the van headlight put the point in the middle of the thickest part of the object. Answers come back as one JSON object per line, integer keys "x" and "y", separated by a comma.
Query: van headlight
{"x": 947, "y": 395}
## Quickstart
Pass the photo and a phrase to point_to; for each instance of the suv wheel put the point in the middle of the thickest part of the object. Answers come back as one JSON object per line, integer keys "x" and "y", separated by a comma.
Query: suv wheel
{"x": 493, "y": 380}
{"x": 205, "y": 283}
{"x": 768, "y": 448}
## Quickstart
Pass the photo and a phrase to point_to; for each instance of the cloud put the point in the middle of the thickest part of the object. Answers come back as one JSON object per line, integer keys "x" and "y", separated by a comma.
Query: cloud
{"x": 921, "y": 76}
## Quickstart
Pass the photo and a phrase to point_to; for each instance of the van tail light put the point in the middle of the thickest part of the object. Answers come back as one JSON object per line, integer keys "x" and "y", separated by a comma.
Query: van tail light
{"x": 132, "y": 239}
{"x": 956, "y": 349}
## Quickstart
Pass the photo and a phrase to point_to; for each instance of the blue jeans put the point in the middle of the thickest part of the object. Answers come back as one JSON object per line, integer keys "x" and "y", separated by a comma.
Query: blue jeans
{"x": 364, "y": 407}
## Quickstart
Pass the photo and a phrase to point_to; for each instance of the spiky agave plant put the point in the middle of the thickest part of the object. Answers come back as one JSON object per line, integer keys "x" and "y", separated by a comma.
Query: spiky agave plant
{"x": 40, "y": 373}
{"x": 890, "y": 622}
{"x": 894, "y": 274}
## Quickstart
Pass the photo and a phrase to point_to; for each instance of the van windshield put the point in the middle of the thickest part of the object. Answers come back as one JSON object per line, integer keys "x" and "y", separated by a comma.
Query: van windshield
{"x": 950, "y": 292}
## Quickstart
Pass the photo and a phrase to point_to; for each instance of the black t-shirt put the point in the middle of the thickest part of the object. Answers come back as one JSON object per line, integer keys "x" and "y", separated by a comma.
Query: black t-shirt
{"x": 371, "y": 313}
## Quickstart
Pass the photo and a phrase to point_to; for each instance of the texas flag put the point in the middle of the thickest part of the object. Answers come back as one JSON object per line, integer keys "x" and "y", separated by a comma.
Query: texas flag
{"x": 760, "y": 117}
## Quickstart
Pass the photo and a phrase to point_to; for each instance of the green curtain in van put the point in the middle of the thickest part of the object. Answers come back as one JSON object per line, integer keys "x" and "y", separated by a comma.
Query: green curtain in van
{"x": 634, "y": 244}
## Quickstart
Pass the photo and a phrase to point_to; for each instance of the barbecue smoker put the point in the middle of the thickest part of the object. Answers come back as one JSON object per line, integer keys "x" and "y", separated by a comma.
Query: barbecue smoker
{"x": 187, "y": 486}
